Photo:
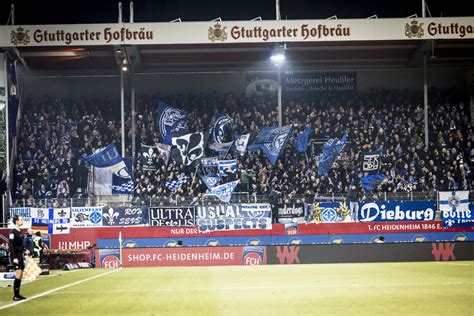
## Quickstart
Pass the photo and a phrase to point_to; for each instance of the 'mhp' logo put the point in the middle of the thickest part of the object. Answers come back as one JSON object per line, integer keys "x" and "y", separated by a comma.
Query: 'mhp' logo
{"x": 288, "y": 254}
{"x": 443, "y": 251}
{"x": 110, "y": 261}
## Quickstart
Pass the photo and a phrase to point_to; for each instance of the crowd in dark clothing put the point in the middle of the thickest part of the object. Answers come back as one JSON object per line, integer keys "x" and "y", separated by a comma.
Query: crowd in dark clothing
{"x": 55, "y": 134}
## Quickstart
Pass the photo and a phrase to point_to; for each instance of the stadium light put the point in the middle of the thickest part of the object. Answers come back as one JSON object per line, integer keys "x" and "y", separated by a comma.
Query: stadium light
{"x": 278, "y": 56}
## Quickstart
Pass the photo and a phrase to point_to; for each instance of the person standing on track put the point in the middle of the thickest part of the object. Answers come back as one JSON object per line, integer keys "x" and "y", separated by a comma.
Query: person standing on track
{"x": 16, "y": 255}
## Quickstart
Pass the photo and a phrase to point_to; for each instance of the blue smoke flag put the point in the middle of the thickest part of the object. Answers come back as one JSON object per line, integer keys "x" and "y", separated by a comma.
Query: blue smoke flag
{"x": 224, "y": 191}
{"x": 302, "y": 140}
{"x": 330, "y": 152}
{"x": 370, "y": 182}
{"x": 221, "y": 126}
{"x": 176, "y": 184}
{"x": 210, "y": 180}
{"x": 169, "y": 120}
{"x": 272, "y": 140}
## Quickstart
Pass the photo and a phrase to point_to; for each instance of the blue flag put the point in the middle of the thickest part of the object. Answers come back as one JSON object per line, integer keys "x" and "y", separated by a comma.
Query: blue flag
{"x": 174, "y": 185}
{"x": 170, "y": 119}
{"x": 210, "y": 180}
{"x": 272, "y": 140}
{"x": 370, "y": 182}
{"x": 227, "y": 167}
{"x": 110, "y": 159}
{"x": 330, "y": 152}
{"x": 221, "y": 126}
{"x": 302, "y": 140}
{"x": 123, "y": 185}
{"x": 224, "y": 191}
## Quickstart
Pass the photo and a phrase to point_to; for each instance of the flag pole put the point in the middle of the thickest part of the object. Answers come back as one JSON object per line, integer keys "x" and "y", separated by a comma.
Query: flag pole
{"x": 194, "y": 177}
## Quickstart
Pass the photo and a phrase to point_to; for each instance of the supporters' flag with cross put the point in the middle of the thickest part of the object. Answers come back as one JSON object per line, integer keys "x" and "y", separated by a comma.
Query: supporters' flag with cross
{"x": 176, "y": 184}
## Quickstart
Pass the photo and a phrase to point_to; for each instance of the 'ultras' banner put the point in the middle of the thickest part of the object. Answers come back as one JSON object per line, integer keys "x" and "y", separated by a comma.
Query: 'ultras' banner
{"x": 172, "y": 216}
{"x": 123, "y": 216}
{"x": 397, "y": 211}
{"x": 320, "y": 81}
{"x": 233, "y": 217}
{"x": 86, "y": 216}
{"x": 290, "y": 212}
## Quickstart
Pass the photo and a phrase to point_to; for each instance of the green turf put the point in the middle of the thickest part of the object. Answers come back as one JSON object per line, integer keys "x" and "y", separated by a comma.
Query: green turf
{"x": 443, "y": 288}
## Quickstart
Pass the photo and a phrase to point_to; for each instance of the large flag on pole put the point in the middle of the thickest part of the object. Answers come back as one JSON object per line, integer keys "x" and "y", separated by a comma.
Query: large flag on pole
{"x": 151, "y": 154}
{"x": 302, "y": 139}
{"x": 189, "y": 149}
{"x": 330, "y": 152}
{"x": 111, "y": 175}
{"x": 224, "y": 191}
{"x": 170, "y": 119}
{"x": 221, "y": 126}
{"x": 240, "y": 144}
{"x": 272, "y": 140}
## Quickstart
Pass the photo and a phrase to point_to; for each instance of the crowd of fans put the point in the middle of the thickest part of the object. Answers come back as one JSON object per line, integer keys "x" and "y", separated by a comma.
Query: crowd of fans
{"x": 55, "y": 135}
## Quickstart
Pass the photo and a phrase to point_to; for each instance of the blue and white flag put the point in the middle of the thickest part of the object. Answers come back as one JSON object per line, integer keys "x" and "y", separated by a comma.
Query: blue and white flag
{"x": 109, "y": 159}
{"x": 272, "y": 140}
{"x": 227, "y": 167}
{"x": 210, "y": 180}
{"x": 301, "y": 141}
{"x": 152, "y": 154}
{"x": 240, "y": 144}
{"x": 224, "y": 191}
{"x": 330, "y": 152}
{"x": 221, "y": 149}
{"x": 370, "y": 182}
{"x": 455, "y": 209}
{"x": 176, "y": 184}
{"x": 111, "y": 175}
{"x": 169, "y": 120}
{"x": 123, "y": 185}
{"x": 221, "y": 126}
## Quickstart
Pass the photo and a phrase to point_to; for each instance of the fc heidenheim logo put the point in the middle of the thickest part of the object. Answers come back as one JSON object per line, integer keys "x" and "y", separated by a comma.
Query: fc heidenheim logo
{"x": 217, "y": 33}
{"x": 414, "y": 30}
{"x": 20, "y": 36}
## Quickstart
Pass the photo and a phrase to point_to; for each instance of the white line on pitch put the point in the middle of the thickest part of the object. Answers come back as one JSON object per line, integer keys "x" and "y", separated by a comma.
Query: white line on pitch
{"x": 57, "y": 289}
{"x": 316, "y": 286}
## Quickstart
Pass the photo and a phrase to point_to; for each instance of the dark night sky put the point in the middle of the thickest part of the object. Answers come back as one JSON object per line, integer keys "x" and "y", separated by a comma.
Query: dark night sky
{"x": 77, "y": 11}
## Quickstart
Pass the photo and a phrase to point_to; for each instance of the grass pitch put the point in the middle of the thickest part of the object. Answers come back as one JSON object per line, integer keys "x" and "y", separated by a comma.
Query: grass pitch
{"x": 430, "y": 288}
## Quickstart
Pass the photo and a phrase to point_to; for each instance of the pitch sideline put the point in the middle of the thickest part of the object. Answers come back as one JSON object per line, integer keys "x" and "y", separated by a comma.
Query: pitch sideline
{"x": 57, "y": 289}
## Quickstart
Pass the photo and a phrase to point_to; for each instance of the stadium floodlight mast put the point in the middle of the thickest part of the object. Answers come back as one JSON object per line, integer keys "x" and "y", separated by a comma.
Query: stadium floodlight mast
{"x": 278, "y": 58}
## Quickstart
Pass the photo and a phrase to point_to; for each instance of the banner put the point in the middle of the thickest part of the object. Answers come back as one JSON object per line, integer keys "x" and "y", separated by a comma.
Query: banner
{"x": 331, "y": 212}
{"x": 397, "y": 211}
{"x": 122, "y": 216}
{"x": 233, "y": 217}
{"x": 320, "y": 82}
{"x": 172, "y": 216}
{"x": 291, "y": 212}
{"x": 86, "y": 217}
{"x": 456, "y": 209}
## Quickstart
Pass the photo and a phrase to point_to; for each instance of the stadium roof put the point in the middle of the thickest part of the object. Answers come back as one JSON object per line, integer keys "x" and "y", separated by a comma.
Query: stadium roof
{"x": 251, "y": 56}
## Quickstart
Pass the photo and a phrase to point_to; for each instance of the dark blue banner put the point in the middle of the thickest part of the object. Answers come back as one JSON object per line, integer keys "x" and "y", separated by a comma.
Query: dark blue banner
{"x": 172, "y": 216}
{"x": 123, "y": 216}
{"x": 397, "y": 211}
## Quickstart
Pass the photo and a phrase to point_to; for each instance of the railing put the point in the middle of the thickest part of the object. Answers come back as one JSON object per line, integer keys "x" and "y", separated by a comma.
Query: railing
{"x": 239, "y": 197}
